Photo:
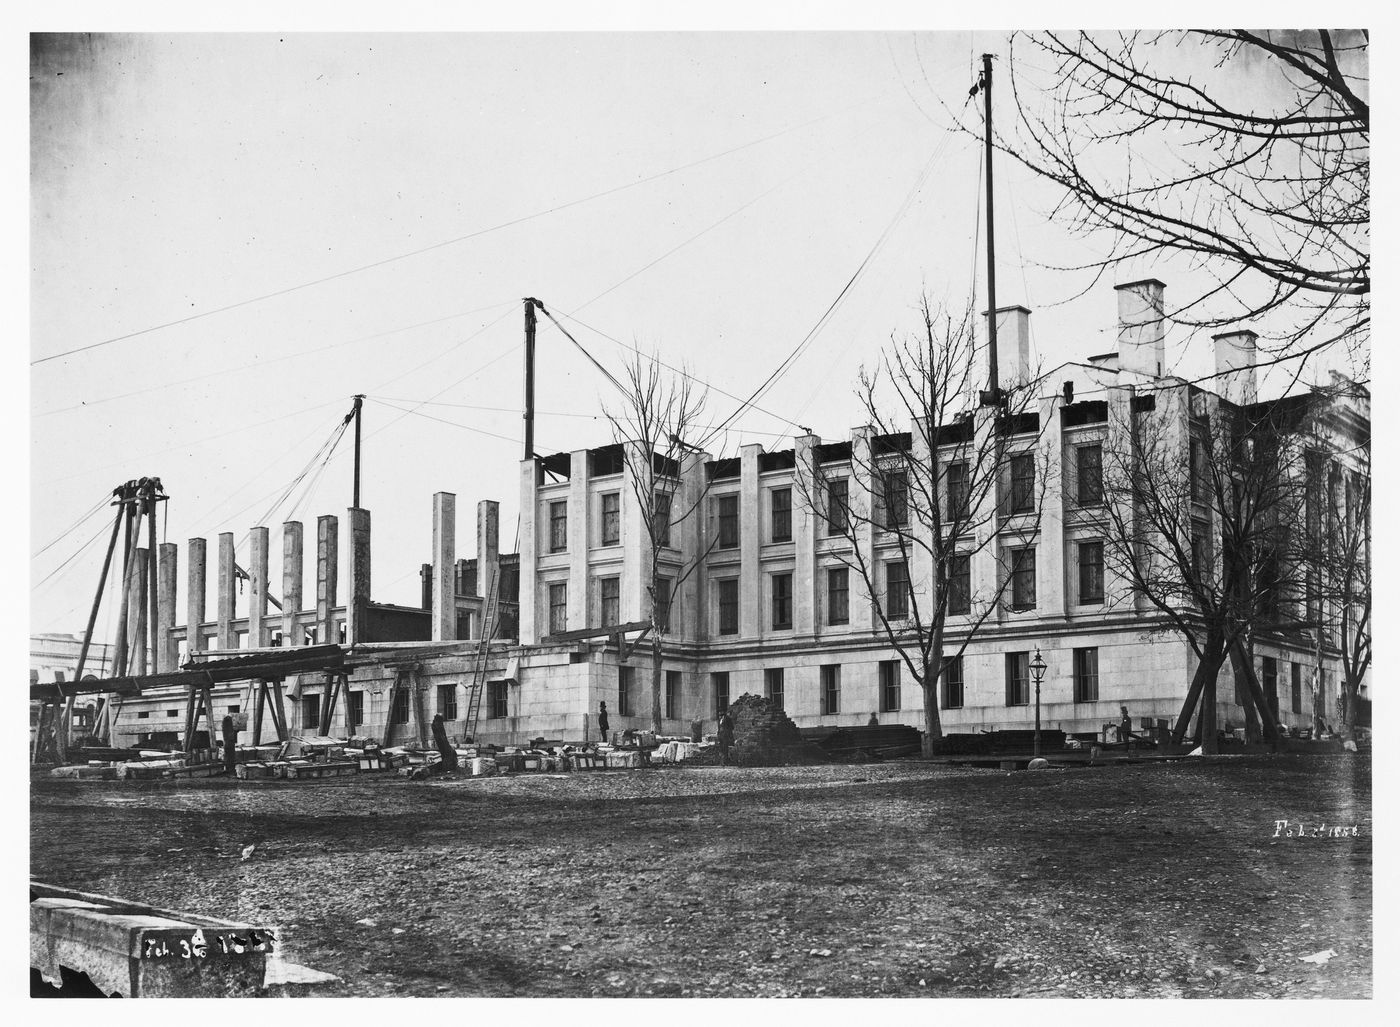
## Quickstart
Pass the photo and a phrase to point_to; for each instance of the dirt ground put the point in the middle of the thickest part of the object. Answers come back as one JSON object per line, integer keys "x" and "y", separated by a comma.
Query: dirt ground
{"x": 896, "y": 879}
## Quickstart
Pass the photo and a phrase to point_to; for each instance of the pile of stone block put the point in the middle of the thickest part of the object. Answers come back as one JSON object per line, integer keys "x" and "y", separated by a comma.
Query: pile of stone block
{"x": 765, "y": 737}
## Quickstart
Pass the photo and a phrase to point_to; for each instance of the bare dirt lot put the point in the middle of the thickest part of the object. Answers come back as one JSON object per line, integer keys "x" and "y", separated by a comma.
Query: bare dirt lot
{"x": 898, "y": 879}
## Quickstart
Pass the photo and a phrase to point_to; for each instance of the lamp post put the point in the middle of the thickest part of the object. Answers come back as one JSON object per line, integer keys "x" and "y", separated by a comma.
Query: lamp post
{"x": 1038, "y": 673}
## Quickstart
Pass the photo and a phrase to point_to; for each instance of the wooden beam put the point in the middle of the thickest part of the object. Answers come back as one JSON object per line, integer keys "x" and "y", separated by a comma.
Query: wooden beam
{"x": 583, "y": 633}
{"x": 625, "y": 653}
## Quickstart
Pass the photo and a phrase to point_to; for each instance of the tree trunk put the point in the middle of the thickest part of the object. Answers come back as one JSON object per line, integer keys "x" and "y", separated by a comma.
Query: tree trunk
{"x": 1210, "y": 744}
{"x": 1254, "y": 693}
{"x": 1352, "y": 691}
{"x": 933, "y": 724}
{"x": 1206, "y": 670}
{"x": 655, "y": 678}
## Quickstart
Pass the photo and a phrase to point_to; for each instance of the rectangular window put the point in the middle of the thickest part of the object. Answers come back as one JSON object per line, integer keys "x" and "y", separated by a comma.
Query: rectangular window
{"x": 661, "y": 518}
{"x": 310, "y": 712}
{"x": 1086, "y": 675}
{"x": 960, "y": 584}
{"x": 1270, "y": 684}
{"x": 1088, "y": 469}
{"x": 837, "y": 506}
{"x": 625, "y": 677}
{"x": 1196, "y": 469}
{"x": 719, "y": 681}
{"x": 953, "y": 683}
{"x": 1200, "y": 551}
{"x": 558, "y": 608}
{"x": 1090, "y": 573}
{"x": 497, "y": 705}
{"x": 958, "y": 511}
{"x": 1023, "y": 578}
{"x": 838, "y": 594}
{"x": 144, "y": 715}
{"x": 773, "y": 685}
{"x": 172, "y": 713}
{"x": 889, "y": 686}
{"x": 609, "y": 591}
{"x": 831, "y": 689}
{"x": 663, "y": 602}
{"x": 558, "y": 527}
{"x": 447, "y": 701}
{"x": 896, "y": 492}
{"x": 1296, "y": 699}
{"x": 400, "y": 711}
{"x": 1018, "y": 679}
{"x": 896, "y": 590}
{"x": 673, "y": 694}
{"x": 728, "y": 507}
{"x": 728, "y": 606}
{"x": 356, "y": 708}
{"x": 612, "y": 518}
{"x": 781, "y": 506}
{"x": 1022, "y": 495}
{"x": 782, "y": 601}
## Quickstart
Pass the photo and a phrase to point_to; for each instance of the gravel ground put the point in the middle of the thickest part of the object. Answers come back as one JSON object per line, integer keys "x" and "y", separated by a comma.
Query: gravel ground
{"x": 897, "y": 879}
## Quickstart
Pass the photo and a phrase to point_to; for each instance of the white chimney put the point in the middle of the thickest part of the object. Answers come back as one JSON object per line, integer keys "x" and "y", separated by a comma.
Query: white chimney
{"x": 1234, "y": 364}
{"x": 1142, "y": 327}
{"x": 1013, "y": 345}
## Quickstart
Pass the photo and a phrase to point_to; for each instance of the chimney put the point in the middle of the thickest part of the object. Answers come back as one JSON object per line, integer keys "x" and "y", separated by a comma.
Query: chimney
{"x": 1234, "y": 363}
{"x": 1142, "y": 327}
{"x": 1013, "y": 345}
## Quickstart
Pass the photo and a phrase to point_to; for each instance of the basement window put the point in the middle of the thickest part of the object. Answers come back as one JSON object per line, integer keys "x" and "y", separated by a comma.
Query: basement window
{"x": 172, "y": 713}
{"x": 144, "y": 715}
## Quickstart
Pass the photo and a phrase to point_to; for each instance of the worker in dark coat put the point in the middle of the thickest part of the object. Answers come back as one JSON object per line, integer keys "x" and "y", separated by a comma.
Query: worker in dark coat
{"x": 444, "y": 747}
{"x": 1125, "y": 729}
{"x": 230, "y": 744}
{"x": 725, "y": 737}
{"x": 603, "y": 720}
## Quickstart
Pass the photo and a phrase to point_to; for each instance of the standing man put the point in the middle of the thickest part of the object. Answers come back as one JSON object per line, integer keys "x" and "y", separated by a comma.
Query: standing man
{"x": 603, "y": 720}
{"x": 230, "y": 743}
{"x": 725, "y": 737}
{"x": 1125, "y": 730}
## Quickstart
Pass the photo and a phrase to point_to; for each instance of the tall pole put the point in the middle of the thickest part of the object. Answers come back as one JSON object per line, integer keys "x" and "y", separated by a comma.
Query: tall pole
{"x": 359, "y": 404}
{"x": 994, "y": 385}
{"x": 529, "y": 377}
{"x": 151, "y": 504}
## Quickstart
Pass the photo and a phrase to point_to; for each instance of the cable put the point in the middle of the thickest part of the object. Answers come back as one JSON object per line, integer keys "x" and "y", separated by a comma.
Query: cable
{"x": 73, "y": 527}
{"x": 101, "y": 530}
{"x": 455, "y": 424}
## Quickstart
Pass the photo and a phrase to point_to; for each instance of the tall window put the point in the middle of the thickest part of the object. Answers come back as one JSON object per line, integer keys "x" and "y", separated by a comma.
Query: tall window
{"x": 728, "y": 606}
{"x": 1018, "y": 679}
{"x": 773, "y": 685}
{"x": 782, "y": 601}
{"x": 1296, "y": 698}
{"x": 957, "y": 493}
{"x": 838, "y": 592}
{"x": 612, "y": 518}
{"x": 1086, "y": 675}
{"x": 661, "y": 518}
{"x": 889, "y": 686}
{"x": 896, "y": 589}
{"x": 625, "y": 677}
{"x": 400, "y": 711}
{"x": 609, "y": 591}
{"x": 1196, "y": 469}
{"x": 831, "y": 689}
{"x": 447, "y": 701}
{"x": 960, "y": 584}
{"x": 1022, "y": 497}
{"x": 781, "y": 500}
{"x": 1090, "y": 573}
{"x": 673, "y": 694}
{"x": 663, "y": 602}
{"x": 896, "y": 491}
{"x": 719, "y": 681}
{"x": 558, "y": 527}
{"x": 728, "y": 507}
{"x": 356, "y": 708}
{"x": 953, "y": 683}
{"x": 1088, "y": 469}
{"x": 311, "y": 712}
{"x": 1270, "y": 683}
{"x": 1200, "y": 551}
{"x": 1023, "y": 578}
{"x": 497, "y": 704}
{"x": 558, "y": 608}
{"x": 837, "y": 506}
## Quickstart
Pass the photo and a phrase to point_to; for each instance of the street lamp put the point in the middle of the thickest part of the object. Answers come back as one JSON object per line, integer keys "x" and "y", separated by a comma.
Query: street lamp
{"x": 1037, "y": 672}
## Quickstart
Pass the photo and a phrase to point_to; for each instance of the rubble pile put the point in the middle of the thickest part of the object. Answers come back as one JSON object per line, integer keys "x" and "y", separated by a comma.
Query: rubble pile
{"x": 765, "y": 737}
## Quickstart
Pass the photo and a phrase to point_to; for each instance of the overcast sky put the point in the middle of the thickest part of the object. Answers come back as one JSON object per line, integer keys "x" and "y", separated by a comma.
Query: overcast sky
{"x": 239, "y": 232}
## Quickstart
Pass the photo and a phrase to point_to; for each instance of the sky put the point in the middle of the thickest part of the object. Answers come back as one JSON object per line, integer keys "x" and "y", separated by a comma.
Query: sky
{"x": 233, "y": 234}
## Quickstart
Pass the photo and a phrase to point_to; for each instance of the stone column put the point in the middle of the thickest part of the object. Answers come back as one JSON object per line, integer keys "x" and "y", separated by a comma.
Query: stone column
{"x": 751, "y": 590}
{"x": 257, "y": 587}
{"x": 291, "y": 582}
{"x": 228, "y": 593}
{"x": 195, "y": 596}
{"x": 358, "y": 565}
{"x": 327, "y": 569}
{"x": 167, "y": 655}
{"x": 805, "y": 523}
{"x": 444, "y": 593}
{"x": 862, "y": 500}
{"x": 577, "y": 540}
{"x": 529, "y": 555}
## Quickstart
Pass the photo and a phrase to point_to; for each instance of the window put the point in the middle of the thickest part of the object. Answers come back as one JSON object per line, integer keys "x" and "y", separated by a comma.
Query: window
{"x": 896, "y": 492}
{"x": 1088, "y": 468}
{"x": 625, "y": 677}
{"x": 663, "y": 602}
{"x": 144, "y": 715}
{"x": 1022, "y": 496}
{"x": 673, "y": 694}
{"x": 447, "y": 701}
{"x": 719, "y": 681}
{"x": 957, "y": 493}
{"x": 1023, "y": 578}
{"x": 400, "y": 711}
{"x": 1296, "y": 703}
{"x": 959, "y": 584}
{"x": 661, "y": 518}
{"x": 1018, "y": 679}
{"x": 953, "y": 683}
{"x": 1086, "y": 675}
{"x": 356, "y": 708}
{"x": 172, "y": 713}
{"x": 889, "y": 686}
{"x": 1090, "y": 573}
{"x": 558, "y": 527}
{"x": 612, "y": 518}
{"x": 232, "y": 709}
{"x": 831, "y": 689}
{"x": 1200, "y": 552}
{"x": 896, "y": 589}
{"x": 773, "y": 685}
{"x": 781, "y": 505}
{"x": 782, "y": 601}
{"x": 837, "y": 506}
{"x": 728, "y": 507}
{"x": 608, "y": 591}
{"x": 558, "y": 608}
{"x": 310, "y": 712}
{"x": 1270, "y": 683}
{"x": 838, "y": 594}
{"x": 728, "y": 606}
{"x": 1197, "y": 469}
{"x": 497, "y": 706}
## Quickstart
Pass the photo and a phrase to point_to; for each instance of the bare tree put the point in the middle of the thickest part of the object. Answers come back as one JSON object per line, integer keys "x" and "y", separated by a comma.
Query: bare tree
{"x": 665, "y": 474}
{"x": 922, "y": 504}
{"x": 1245, "y": 152}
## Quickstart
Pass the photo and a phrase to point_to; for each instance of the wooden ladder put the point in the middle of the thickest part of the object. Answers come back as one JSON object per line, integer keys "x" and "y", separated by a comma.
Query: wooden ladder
{"x": 483, "y": 655}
